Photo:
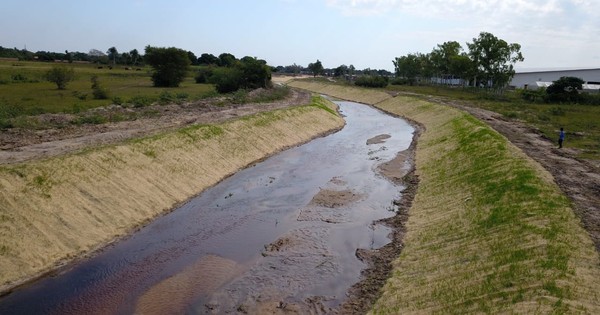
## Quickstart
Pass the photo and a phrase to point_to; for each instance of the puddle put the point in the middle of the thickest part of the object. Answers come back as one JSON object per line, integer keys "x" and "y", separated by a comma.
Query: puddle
{"x": 280, "y": 235}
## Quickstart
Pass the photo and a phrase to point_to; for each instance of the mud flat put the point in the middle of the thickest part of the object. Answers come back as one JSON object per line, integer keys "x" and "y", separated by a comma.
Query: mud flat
{"x": 56, "y": 210}
{"x": 489, "y": 229}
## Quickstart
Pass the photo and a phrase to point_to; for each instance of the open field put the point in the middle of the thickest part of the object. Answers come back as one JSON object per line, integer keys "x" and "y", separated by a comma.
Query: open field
{"x": 489, "y": 230}
{"x": 57, "y": 209}
{"x": 581, "y": 122}
{"x": 24, "y": 90}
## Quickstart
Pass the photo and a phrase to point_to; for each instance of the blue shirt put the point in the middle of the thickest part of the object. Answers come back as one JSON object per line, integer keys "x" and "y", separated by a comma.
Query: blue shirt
{"x": 562, "y": 135}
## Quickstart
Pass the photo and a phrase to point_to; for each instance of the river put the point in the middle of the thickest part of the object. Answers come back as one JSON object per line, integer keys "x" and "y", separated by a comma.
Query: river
{"x": 280, "y": 234}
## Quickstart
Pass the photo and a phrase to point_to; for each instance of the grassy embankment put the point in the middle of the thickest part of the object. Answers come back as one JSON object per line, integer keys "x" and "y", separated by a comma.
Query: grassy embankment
{"x": 61, "y": 208}
{"x": 488, "y": 230}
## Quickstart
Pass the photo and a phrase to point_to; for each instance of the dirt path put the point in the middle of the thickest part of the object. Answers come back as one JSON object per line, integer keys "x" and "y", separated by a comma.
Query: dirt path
{"x": 21, "y": 145}
{"x": 578, "y": 179}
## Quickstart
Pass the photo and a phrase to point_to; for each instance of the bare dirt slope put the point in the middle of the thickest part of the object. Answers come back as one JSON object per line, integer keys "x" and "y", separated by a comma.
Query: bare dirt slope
{"x": 20, "y": 145}
{"x": 579, "y": 179}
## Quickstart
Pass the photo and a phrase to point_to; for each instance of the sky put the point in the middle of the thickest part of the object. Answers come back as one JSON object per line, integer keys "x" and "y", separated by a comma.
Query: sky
{"x": 363, "y": 33}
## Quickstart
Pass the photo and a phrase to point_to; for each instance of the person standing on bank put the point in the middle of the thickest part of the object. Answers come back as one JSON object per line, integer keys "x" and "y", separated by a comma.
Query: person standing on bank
{"x": 561, "y": 137}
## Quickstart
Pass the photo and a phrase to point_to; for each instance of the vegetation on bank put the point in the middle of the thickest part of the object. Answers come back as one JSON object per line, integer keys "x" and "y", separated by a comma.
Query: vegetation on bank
{"x": 488, "y": 231}
{"x": 59, "y": 208}
{"x": 26, "y": 91}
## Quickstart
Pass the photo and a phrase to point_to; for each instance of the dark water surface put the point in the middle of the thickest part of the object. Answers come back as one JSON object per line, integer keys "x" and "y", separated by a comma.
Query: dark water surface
{"x": 252, "y": 239}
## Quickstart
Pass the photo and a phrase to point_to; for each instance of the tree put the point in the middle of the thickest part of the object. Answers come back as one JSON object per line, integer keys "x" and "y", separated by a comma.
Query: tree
{"x": 316, "y": 68}
{"x": 255, "y": 73}
{"x": 126, "y": 58}
{"x": 340, "y": 71}
{"x": 494, "y": 59}
{"x": 208, "y": 59}
{"x": 193, "y": 58}
{"x": 462, "y": 67}
{"x": 409, "y": 67}
{"x": 170, "y": 65}
{"x": 112, "y": 54}
{"x": 226, "y": 60}
{"x": 60, "y": 75}
{"x": 135, "y": 55}
{"x": 441, "y": 58}
{"x": 565, "y": 89}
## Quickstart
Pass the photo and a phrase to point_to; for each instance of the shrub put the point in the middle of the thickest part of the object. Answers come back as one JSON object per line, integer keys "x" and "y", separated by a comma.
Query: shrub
{"x": 166, "y": 97}
{"x": 98, "y": 91}
{"x": 226, "y": 80}
{"x": 141, "y": 101}
{"x": 117, "y": 100}
{"x": 203, "y": 75}
{"x": 61, "y": 76}
{"x": 399, "y": 81}
{"x": 533, "y": 95}
{"x": 372, "y": 81}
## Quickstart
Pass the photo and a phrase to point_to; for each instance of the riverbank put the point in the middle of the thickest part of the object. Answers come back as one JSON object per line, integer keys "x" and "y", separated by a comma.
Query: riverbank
{"x": 56, "y": 210}
{"x": 489, "y": 230}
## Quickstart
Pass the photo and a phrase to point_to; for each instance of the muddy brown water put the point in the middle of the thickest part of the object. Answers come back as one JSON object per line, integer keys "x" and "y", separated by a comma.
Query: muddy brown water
{"x": 280, "y": 235}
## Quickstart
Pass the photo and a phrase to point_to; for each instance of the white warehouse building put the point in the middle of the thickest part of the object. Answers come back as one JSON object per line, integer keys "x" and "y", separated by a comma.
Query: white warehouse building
{"x": 543, "y": 78}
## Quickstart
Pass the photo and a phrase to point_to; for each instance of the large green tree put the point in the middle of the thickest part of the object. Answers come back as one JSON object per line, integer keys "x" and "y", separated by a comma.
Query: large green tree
{"x": 494, "y": 59}
{"x": 170, "y": 65}
{"x": 409, "y": 67}
{"x": 441, "y": 57}
{"x": 316, "y": 68}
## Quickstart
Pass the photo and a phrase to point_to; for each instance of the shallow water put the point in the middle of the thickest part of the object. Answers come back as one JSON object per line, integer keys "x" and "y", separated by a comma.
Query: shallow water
{"x": 255, "y": 240}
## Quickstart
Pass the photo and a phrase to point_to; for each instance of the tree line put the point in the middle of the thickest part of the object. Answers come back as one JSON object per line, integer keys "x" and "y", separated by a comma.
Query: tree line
{"x": 488, "y": 62}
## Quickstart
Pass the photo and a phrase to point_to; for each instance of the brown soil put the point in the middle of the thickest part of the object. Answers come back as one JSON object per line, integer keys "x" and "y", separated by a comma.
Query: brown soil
{"x": 21, "y": 145}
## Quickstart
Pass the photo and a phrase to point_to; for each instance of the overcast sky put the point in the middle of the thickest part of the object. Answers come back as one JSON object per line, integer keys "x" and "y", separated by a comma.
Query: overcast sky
{"x": 365, "y": 33}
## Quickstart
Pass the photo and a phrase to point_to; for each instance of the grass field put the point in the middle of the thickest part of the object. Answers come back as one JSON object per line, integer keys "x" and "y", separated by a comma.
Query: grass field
{"x": 581, "y": 122}
{"x": 488, "y": 231}
{"x": 23, "y": 89}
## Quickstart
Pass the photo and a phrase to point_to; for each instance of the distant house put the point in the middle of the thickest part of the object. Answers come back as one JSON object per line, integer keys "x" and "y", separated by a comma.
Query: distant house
{"x": 543, "y": 78}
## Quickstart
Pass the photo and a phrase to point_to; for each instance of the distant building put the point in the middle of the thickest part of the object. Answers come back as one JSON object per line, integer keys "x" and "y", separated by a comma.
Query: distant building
{"x": 543, "y": 78}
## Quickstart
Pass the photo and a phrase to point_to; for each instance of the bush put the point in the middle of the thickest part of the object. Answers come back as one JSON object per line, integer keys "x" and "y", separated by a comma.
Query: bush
{"x": 117, "y": 100}
{"x": 226, "y": 80}
{"x": 166, "y": 97}
{"x": 564, "y": 90}
{"x": 141, "y": 101}
{"x": 170, "y": 65}
{"x": 61, "y": 76}
{"x": 203, "y": 75}
{"x": 98, "y": 91}
{"x": 372, "y": 81}
{"x": 533, "y": 95}
{"x": 399, "y": 81}
{"x": 10, "y": 110}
